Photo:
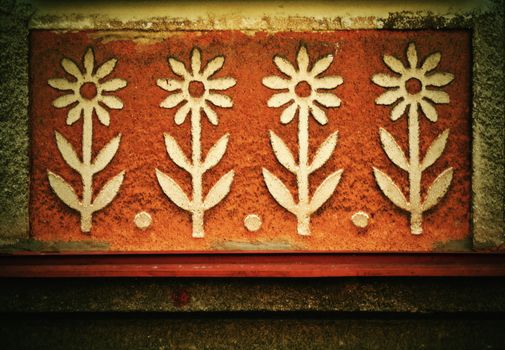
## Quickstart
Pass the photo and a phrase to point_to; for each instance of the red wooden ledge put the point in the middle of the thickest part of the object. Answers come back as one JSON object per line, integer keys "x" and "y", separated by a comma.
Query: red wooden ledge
{"x": 263, "y": 264}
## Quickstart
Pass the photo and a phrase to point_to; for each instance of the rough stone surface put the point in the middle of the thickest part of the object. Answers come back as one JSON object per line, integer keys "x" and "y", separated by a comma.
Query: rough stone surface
{"x": 488, "y": 183}
{"x": 14, "y": 137}
{"x": 409, "y": 295}
{"x": 346, "y": 313}
{"x": 263, "y": 331}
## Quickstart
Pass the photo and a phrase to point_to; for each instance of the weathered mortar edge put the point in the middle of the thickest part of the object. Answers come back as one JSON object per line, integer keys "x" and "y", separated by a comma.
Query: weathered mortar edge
{"x": 488, "y": 88}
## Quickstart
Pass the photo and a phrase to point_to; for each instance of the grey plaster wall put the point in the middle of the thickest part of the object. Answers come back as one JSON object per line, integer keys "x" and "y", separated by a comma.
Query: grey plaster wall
{"x": 14, "y": 134}
{"x": 488, "y": 184}
{"x": 336, "y": 313}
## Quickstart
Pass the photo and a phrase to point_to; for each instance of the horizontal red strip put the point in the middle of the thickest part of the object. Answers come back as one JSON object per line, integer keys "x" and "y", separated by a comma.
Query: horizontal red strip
{"x": 251, "y": 265}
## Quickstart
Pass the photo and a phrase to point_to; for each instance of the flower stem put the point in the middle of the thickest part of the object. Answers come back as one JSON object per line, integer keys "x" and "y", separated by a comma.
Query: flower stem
{"x": 86, "y": 173}
{"x": 303, "y": 210}
{"x": 416, "y": 214}
{"x": 197, "y": 174}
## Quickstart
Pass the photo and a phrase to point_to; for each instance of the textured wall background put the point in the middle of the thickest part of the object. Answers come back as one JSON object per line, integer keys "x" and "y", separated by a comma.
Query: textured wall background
{"x": 380, "y": 313}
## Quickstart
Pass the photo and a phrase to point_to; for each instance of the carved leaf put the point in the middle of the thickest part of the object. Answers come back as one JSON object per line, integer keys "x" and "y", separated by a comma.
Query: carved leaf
{"x": 435, "y": 150}
{"x": 108, "y": 192}
{"x": 106, "y": 154}
{"x": 63, "y": 190}
{"x": 219, "y": 190}
{"x": 279, "y": 191}
{"x": 216, "y": 152}
{"x": 67, "y": 152}
{"x": 282, "y": 153}
{"x": 176, "y": 153}
{"x": 173, "y": 191}
{"x": 325, "y": 190}
{"x": 390, "y": 189}
{"x": 324, "y": 152}
{"x": 393, "y": 150}
{"x": 438, "y": 189}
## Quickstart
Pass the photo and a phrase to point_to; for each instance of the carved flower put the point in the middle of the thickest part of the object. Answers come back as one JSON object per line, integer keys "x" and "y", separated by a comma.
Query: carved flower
{"x": 87, "y": 90}
{"x": 411, "y": 86}
{"x": 303, "y": 87}
{"x": 196, "y": 88}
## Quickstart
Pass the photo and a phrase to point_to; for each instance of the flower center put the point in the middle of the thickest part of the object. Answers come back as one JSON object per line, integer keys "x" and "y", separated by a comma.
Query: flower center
{"x": 196, "y": 88}
{"x": 413, "y": 86}
{"x": 303, "y": 89}
{"x": 88, "y": 90}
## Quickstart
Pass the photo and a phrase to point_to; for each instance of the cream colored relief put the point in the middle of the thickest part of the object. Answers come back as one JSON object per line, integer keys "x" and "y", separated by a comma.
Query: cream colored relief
{"x": 194, "y": 94}
{"x": 412, "y": 88}
{"x": 360, "y": 219}
{"x": 303, "y": 92}
{"x": 143, "y": 220}
{"x": 87, "y": 96}
{"x": 252, "y": 222}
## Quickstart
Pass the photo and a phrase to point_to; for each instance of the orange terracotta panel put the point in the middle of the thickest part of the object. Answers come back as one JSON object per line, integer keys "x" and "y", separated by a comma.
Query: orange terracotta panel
{"x": 357, "y": 57}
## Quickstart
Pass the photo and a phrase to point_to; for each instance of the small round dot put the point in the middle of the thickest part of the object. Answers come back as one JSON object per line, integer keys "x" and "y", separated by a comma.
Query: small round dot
{"x": 143, "y": 220}
{"x": 252, "y": 222}
{"x": 360, "y": 219}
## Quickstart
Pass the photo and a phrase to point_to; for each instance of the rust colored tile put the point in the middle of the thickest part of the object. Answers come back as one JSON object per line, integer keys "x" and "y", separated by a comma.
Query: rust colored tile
{"x": 351, "y": 212}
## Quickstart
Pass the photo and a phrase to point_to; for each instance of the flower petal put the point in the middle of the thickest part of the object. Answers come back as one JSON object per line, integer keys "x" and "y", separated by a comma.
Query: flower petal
{"x": 321, "y": 65}
{"x": 112, "y": 102}
{"x": 389, "y": 97}
{"x": 327, "y": 100}
{"x": 196, "y": 61}
{"x": 394, "y": 64}
{"x": 302, "y": 59}
{"x": 177, "y": 67}
{"x": 398, "y": 110}
{"x": 105, "y": 69}
{"x": 288, "y": 114}
{"x": 102, "y": 115}
{"x": 436, "y": 96}
{"x": 412, "y": 55}
{"x": 89, "y": 62}
{"x": 64, "y": 100}
{"x": 275, "y": 82}
{"x": 279, "y": 99}
{"x": 221, "y": 83}
{"x": 385, "y": 80}
{"x": 62, "y": 84}
{"x": 429, "y": 111}
{"x": 172, "y": 100}
{"x": 439, "y": 79}
{"x": 284, "y": 66}
{"x": 220, "y": 100}
{"x": 169, "y": 84}
{"x": 213, "y": 66}
{"x": 211, "y": 115}
{"x": 113, "y": 85}
{"x": 181, "y": 114}
{"x": 71, "y": 68}
{"x": 318, "y": 114}
{"x": 74, "y": 114}
{"x": 431, "y": 62}
{"x": 330, "y": 82}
